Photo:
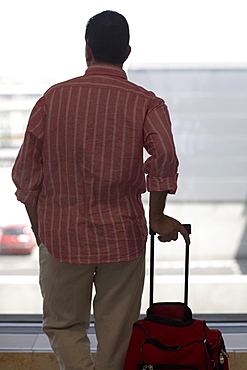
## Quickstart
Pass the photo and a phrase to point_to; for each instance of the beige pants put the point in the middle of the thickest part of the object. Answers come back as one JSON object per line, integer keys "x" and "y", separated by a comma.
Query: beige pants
{"x": 67, "y": 293}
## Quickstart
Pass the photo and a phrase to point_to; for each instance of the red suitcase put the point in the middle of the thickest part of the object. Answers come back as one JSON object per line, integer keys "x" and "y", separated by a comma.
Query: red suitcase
{"x": 169, "y": 338}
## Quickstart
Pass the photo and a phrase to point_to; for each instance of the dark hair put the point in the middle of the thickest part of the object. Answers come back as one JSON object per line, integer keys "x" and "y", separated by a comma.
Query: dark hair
{"x": 107, "y": 34}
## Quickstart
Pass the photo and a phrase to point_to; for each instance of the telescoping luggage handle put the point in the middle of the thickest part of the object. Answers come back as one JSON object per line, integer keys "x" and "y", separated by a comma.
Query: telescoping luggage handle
{"x": 152, "y": 233}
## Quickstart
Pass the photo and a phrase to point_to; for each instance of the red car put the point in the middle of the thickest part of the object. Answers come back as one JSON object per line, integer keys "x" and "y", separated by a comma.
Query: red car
{"x": 16, "y": 239}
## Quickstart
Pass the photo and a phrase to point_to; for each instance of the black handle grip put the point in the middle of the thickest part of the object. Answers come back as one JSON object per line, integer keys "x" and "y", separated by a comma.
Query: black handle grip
{"x": 187, "y": 227}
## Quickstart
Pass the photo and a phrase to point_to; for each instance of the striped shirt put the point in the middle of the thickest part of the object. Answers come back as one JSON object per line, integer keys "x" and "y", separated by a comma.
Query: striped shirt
{"x": 81, "y": 164}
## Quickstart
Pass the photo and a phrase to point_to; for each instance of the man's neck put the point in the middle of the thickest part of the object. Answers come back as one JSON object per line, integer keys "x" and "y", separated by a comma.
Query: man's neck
{"x": 94, "y": 62}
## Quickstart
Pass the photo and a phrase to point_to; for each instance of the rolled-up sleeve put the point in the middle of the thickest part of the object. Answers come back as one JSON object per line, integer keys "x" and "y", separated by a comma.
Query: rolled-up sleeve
{"x": 162, "y": 165}
{"x": 27, "y": 169}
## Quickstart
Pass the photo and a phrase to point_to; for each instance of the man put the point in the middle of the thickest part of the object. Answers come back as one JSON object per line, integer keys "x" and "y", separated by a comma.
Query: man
{"x": 80, "y": 174}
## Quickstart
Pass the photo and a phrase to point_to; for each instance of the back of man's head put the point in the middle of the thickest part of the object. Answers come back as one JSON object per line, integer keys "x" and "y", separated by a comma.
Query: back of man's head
{"x": 107, "y": 34}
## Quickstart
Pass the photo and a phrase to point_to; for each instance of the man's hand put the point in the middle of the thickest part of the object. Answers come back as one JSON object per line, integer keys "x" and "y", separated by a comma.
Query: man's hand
{"x": 37, "y": 238}
{"x": 168, "y": 229}
{"x": 33, "y": 217}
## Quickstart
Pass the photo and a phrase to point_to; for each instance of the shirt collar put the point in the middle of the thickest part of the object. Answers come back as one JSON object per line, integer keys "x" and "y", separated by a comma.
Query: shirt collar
{"x": 106, "y": 70}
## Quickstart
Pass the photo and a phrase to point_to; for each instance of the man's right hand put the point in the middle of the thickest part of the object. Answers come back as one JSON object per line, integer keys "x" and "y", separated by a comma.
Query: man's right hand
{"x": 168, "y": 229}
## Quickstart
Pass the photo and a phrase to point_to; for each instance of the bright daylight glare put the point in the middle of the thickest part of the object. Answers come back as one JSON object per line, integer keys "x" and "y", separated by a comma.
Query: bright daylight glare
{"x": 44, "y": 41}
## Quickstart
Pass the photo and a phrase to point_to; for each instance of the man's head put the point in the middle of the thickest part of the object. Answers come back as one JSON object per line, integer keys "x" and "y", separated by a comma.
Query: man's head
{"x": 107, "y": 35}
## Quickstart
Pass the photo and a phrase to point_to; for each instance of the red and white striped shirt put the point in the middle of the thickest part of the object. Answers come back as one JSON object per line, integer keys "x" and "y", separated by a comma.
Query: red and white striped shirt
{"x": 81, "y": 164}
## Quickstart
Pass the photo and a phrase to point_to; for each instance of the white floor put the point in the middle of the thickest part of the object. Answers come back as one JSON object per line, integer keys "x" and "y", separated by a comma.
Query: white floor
{"x": 31, "y": 343}
{"x": 235, "y": 342}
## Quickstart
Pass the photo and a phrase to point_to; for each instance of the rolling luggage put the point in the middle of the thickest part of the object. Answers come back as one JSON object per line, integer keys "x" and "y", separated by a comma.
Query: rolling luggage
{"x": 169, "y": 338}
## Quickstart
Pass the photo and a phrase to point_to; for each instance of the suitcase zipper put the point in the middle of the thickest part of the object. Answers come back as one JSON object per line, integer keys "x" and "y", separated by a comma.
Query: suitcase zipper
{"x": 158, "y": 344}
{"x": 222, "y": 354}
{"x": 153, "y": 367}
{"x": 142, "y": 328}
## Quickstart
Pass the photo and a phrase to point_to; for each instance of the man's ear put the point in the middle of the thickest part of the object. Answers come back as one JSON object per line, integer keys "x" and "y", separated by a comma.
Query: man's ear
{"x": 128, "y": 52}
{"x": 88, "y": 54}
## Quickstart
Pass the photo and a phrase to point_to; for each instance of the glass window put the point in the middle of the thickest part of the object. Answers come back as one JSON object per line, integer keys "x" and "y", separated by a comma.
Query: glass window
{"x": 208, "y": 112}
{"x": 201, "y": 73}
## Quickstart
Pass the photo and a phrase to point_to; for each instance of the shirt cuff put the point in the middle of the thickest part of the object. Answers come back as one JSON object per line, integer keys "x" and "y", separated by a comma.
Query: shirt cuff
{"x": 29, "y": 198}
{"x": 168, "y": 184}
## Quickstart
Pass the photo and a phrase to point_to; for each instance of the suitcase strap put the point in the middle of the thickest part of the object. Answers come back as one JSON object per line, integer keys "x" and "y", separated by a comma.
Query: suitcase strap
{"x": 186, "y": 274}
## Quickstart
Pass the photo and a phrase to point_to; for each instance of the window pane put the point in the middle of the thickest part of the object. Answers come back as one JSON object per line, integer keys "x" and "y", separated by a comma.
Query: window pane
{"x": 208, "y": 110}
{"x": 209, "y": 113}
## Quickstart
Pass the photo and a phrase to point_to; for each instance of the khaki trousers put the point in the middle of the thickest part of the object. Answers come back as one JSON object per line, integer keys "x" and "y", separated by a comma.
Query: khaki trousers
{"x": 67, "y": 295}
